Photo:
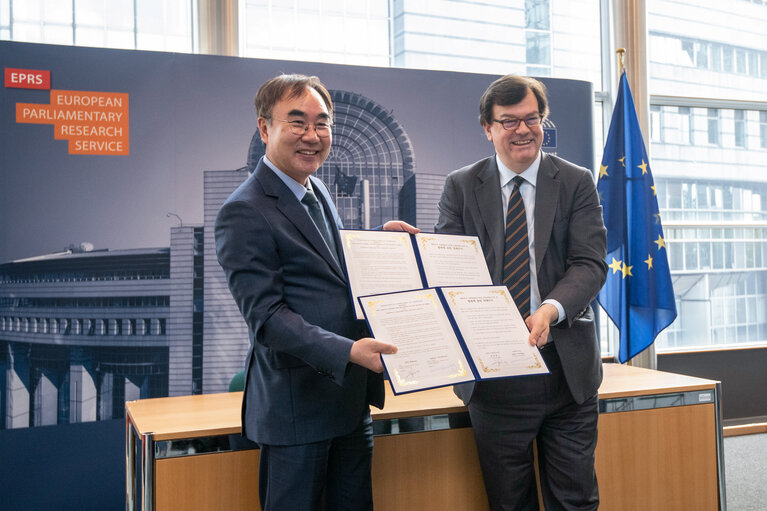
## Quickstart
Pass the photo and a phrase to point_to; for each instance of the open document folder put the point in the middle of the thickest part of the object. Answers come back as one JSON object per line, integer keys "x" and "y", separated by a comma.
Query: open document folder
{"x": 451, "y": 335}
{"x": 387, "y": 261}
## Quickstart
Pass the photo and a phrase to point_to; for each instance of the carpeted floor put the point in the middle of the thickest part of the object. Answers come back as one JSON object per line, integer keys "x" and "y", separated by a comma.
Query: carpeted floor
{"x": 745, "y": 463}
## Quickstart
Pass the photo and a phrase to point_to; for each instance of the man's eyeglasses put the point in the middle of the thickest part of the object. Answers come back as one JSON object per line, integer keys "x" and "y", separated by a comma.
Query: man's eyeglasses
{"x": 300, "y": 128}
{"x": 512, "y": 124}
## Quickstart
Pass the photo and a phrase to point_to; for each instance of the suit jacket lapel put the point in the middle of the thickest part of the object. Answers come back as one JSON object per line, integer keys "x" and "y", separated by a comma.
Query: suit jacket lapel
{"x": 546, "y": 204}
{"x": 295, "y": 212}
{"x": 487, "y": 193}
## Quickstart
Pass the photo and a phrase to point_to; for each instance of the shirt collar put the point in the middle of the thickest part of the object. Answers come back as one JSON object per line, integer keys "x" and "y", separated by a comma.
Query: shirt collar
{"x": 530, "y": 174}
{"x": 297, "y": 188}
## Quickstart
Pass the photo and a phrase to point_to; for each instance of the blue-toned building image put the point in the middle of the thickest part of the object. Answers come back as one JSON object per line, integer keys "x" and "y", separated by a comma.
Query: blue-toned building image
{"x": 83, "y": 330}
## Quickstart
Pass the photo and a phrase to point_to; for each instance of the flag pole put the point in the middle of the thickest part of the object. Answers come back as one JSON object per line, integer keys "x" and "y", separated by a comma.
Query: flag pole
{"x": 621, "y": 52}
{"x": 647, "y": 358}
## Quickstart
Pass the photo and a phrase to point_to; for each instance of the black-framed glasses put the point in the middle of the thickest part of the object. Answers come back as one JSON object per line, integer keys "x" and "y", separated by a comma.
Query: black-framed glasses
{"x": 512, "y": 124}
{"x": 298, "y": 127}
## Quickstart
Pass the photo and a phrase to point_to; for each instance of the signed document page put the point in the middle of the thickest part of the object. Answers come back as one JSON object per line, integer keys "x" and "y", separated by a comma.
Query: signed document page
{"x": 379, "y": 262}
{"x": 429, "y": 353}
{"x": 452, "y": 260}
{"x": 493, "y": 331}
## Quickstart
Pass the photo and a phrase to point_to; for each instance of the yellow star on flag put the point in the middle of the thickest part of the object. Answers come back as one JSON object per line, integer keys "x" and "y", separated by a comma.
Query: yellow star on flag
{"x": 654, "y": 191}
{"x": 643, "y": 166}
{"x": 648, "y": 261}
{"x": 626, "y": 270}
{"x": 602, "y": 171}
{"x": 622, "y": 160}
{"x": 616, "y": 266}
{"x": 661, "y": 242}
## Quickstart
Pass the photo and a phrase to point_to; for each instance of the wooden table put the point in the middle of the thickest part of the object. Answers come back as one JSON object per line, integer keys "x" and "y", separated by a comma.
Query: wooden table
{"x": 660, "y": 447}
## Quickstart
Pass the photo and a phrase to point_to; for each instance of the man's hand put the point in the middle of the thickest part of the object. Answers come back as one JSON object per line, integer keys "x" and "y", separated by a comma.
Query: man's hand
{"x": 367, "y": 352}
{"x": 399, "y": 225}
{"x": 539, "y": 324}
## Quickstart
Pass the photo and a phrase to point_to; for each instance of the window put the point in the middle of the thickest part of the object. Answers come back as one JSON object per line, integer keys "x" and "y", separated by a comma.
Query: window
{"x": 538, "y": 48}
{"x": 740, "y": 128}
{"x": 701, "y": 55}
{"x": 713, "y": 126}
{"x": 537, "y": 14}
{"x": 728, "y": 59}
{"x": 716, "y": 57}
{"x": 753, "y": 63}
{"x": 537, "y": 38}
{"x": 689, "y": 48}
{"x": 353, "y": 32}
{"x": 131, "y": 24}
{"x": 707, "y": 55}
{"x": 671, "y": 124}
{"x": 740, "y": 61}
{"x": 686, "y": 126}
{"x": 763, "y": 129}
{"x": 656, "y": 123}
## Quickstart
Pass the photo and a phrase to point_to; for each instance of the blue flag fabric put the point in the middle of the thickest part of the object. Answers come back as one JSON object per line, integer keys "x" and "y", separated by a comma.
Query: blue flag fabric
{"x": 638, "y": 294}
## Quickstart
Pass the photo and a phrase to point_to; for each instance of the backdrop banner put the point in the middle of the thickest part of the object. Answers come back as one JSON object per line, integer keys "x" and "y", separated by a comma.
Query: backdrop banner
{"x": 113, "y": 165}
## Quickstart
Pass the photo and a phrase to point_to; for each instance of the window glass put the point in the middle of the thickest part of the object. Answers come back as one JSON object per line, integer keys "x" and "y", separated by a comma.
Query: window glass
{"x": 713, "y": 126}
{"x": 538, "y": 48}
{"x": 763, "y": 129}
{"x": 537, "y": 14}
{"x": 129, "y": 24}
{"x": 655, "y": 123}
{"x": 740, "y": 60}
{"x": 728, "y": 59}
{"x": 716, "y": 57}
{"x": 740, "y": 128}
{"x": 701, "y": 55}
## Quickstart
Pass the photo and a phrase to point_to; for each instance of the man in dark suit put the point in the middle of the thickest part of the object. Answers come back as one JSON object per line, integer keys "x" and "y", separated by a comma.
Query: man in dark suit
{"x": 522, "y": 197}
{"x": 308, "y": 383}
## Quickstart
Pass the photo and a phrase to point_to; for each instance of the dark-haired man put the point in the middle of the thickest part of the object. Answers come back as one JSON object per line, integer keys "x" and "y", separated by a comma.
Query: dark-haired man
{"x": 540, "y": 224}
{"x": 308, "y": 382}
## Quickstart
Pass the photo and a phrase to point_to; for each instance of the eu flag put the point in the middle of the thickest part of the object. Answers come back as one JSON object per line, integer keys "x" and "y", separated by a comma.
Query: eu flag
{"x": 638, "y": 294}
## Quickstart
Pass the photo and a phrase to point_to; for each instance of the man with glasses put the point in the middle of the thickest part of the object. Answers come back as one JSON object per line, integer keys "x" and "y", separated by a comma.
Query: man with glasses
{"x": 540, "y": 224}
{"x": 308, "y": 383}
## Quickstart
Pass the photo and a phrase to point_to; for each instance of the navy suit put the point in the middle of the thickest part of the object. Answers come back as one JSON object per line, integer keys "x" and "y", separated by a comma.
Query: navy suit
{"x": 300, "y": 387}
{"x": 570, "y": 249}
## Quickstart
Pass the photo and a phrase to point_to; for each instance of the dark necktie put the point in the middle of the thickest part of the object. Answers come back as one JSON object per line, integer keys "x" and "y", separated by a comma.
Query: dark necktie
{"x": 516, "y": 258}
{"x": 315, "y": 211}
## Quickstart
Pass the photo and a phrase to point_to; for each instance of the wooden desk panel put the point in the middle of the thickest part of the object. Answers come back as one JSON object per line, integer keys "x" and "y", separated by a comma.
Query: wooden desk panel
{"x": 662, "y": 459}
{"x": 446, "y": 462}
{"x": 430, "y": 470}
{"x": 226, "y": 481}
{"x": 658, "y": 458}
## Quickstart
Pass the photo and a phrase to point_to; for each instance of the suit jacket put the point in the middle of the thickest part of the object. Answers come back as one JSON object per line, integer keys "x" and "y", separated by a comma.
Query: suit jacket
{"x": 299, "y": 384}
{"x": 570, "y": 245}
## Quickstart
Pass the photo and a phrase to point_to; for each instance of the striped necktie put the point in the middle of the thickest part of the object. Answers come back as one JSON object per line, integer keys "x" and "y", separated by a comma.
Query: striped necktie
{"x": 516, "y": 257}
{"x": 315, "y": 211}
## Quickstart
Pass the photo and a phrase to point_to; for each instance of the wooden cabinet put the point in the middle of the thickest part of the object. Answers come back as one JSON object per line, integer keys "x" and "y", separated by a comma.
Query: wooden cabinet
{"x": 660, "y": 447}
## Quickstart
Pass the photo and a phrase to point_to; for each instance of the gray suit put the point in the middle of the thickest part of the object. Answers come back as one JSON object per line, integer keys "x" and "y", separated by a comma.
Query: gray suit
{"x": 570, "y": 249}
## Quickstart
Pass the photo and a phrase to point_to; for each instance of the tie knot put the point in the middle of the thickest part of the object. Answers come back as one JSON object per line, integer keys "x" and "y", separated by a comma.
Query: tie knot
{"x": 518, "y": 180}
{"x": 309, "y": 198}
